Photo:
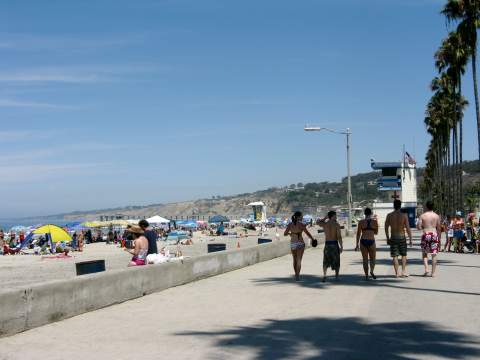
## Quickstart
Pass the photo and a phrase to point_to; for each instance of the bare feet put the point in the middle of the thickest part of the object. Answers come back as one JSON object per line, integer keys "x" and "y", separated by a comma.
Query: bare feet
{"x": 373, "y": 275}
{"x": 425, "y": 274}
{"x": 405, "y": 275}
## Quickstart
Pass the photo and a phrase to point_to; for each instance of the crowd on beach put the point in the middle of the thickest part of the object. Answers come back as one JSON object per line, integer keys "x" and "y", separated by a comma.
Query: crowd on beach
{"x": 460, "y": 235}
{"x": 397, "y": 228}
{"x": 130, "y": 238}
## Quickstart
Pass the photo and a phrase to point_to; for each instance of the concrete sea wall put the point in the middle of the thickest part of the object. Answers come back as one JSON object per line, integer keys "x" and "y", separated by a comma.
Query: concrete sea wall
{"x": 33, "y": 306}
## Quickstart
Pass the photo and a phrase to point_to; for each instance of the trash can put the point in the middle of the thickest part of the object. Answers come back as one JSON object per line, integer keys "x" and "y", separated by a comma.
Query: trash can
{"x": 216, "y": 247}
{"x": 90, "y": 267}
{"x": 264, "y": 241}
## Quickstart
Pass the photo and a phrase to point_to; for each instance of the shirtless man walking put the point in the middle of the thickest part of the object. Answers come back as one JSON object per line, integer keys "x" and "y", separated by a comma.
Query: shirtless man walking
{"x": 333, "y": 244}
{"x": 430, "y": 223}
{"x": 397, "y": 222}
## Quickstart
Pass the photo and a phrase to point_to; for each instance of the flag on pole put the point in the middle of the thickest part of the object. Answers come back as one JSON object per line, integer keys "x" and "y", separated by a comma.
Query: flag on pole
{"x": 409, "y": 159}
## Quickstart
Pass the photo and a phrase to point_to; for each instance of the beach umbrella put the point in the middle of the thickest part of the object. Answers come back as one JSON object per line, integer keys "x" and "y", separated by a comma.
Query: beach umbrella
{"x": 57, "y": 234}
{"x": 91, "y": 224}
{"x": 218, "y": 219}
{"x": 190, "y": 224}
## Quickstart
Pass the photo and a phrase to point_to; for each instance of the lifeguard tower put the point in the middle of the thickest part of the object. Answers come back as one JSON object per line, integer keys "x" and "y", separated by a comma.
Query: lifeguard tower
{"x": 399, "y": 180}
{"x": 259, "y": 212}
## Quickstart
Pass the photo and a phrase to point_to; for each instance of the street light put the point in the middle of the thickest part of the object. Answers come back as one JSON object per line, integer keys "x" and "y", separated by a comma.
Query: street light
{"x": 346, "y": 132}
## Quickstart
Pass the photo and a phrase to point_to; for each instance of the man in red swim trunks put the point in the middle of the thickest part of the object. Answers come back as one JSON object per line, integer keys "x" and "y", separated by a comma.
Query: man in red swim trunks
{"x": 431, "y": 225}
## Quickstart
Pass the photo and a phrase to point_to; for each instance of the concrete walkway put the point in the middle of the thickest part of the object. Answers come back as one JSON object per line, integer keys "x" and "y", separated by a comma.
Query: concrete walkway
{"x": 260, "y": 313}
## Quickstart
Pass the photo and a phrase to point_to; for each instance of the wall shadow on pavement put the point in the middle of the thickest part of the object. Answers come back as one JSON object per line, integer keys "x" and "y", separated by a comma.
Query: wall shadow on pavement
{"x": 342, "y": 338}
{"x": 315, "y": 282}
{"x": 464, "y": 266}
{"x": 410, "y": 261}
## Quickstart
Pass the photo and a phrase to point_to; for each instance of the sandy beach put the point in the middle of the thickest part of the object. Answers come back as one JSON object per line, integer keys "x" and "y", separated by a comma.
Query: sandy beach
{"x": 20, "y": 270}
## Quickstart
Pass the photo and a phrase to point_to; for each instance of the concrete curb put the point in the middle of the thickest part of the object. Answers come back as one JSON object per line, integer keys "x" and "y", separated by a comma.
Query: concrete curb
{"x": 45, "y": 303}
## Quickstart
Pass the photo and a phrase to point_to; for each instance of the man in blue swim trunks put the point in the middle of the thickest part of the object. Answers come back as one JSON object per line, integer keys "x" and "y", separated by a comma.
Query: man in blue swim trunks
{"x": 397, "y": 222}
{"x": 333, "y": 244}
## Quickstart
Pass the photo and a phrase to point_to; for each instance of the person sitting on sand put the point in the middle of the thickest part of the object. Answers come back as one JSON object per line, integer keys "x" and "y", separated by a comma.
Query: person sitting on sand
{"x": 220, "y": 229}
{"x": 140, "y": 250}
{"x": 151, "y": 236}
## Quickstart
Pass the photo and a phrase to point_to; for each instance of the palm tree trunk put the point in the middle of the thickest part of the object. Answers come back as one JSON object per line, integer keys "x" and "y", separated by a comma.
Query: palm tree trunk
{"x": 452, "y": 169}
{"x": 475, "y": 90}
{"x": 460, "y": 123}
{"x": 455, "y": 172}
{"x": 449, "y": 164}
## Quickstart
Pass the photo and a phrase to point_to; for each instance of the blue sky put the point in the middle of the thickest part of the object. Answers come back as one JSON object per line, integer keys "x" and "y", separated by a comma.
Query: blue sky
{"x": 111, "y": 102}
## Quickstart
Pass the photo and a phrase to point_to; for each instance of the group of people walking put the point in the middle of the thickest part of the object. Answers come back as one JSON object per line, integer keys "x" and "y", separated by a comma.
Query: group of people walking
{"x": 397, "y": 229}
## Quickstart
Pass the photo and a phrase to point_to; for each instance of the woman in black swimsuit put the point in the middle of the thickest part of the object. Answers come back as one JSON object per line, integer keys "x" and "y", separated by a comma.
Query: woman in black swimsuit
{"x": 366, "y": 231}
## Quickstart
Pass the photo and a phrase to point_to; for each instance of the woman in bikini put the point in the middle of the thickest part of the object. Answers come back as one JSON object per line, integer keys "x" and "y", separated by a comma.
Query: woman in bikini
{"x": 366, "y": 231}
{"x": 297, "y": 245}
{"x": 140, "y": 250}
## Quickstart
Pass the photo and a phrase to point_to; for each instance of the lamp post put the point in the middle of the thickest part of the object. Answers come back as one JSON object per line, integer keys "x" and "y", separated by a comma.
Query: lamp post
{"x": 346, "y": 132}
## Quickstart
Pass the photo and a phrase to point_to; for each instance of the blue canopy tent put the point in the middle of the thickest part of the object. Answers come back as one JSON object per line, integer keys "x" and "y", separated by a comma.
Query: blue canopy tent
{"x": 72, "y": 224}
{"x": 218, "y": 219}
{"x": 191, "y": 225}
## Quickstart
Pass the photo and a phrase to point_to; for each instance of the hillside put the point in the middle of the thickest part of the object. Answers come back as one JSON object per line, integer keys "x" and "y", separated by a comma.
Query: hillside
{"x": 282, "y": 201}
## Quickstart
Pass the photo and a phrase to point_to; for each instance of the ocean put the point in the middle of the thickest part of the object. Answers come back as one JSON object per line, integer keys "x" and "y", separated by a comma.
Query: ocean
{"x": 7, "y": 224}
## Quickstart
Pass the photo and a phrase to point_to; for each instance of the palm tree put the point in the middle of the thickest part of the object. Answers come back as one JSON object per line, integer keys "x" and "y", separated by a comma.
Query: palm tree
{"x": 452, "y": 58}
{"x": 466, "y": 13}
{"x": 441, "y": 117}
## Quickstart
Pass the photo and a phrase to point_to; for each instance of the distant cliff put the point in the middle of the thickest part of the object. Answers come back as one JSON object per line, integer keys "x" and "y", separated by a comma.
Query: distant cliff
{"x": 280, "y": 201}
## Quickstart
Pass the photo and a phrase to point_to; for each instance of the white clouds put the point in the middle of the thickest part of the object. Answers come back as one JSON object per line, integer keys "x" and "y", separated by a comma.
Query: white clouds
{"x": 77, "y": 74}
{"x": 7, "y": 136}
{"x": 32, "y": 104}
{"x": 63, "y": 43}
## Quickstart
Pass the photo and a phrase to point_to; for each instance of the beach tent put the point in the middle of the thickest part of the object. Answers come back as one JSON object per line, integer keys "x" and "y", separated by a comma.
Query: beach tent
{"x": 57, "y": 234}
{"x": 157, "y": 220}
{"x": 218, "y": 219}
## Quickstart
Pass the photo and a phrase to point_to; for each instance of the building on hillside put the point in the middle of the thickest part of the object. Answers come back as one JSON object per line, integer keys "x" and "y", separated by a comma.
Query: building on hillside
{"x": 399, "y": 180}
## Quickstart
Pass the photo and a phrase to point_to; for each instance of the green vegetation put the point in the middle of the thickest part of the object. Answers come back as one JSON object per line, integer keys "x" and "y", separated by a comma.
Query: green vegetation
{"x": 443, "y": 176}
